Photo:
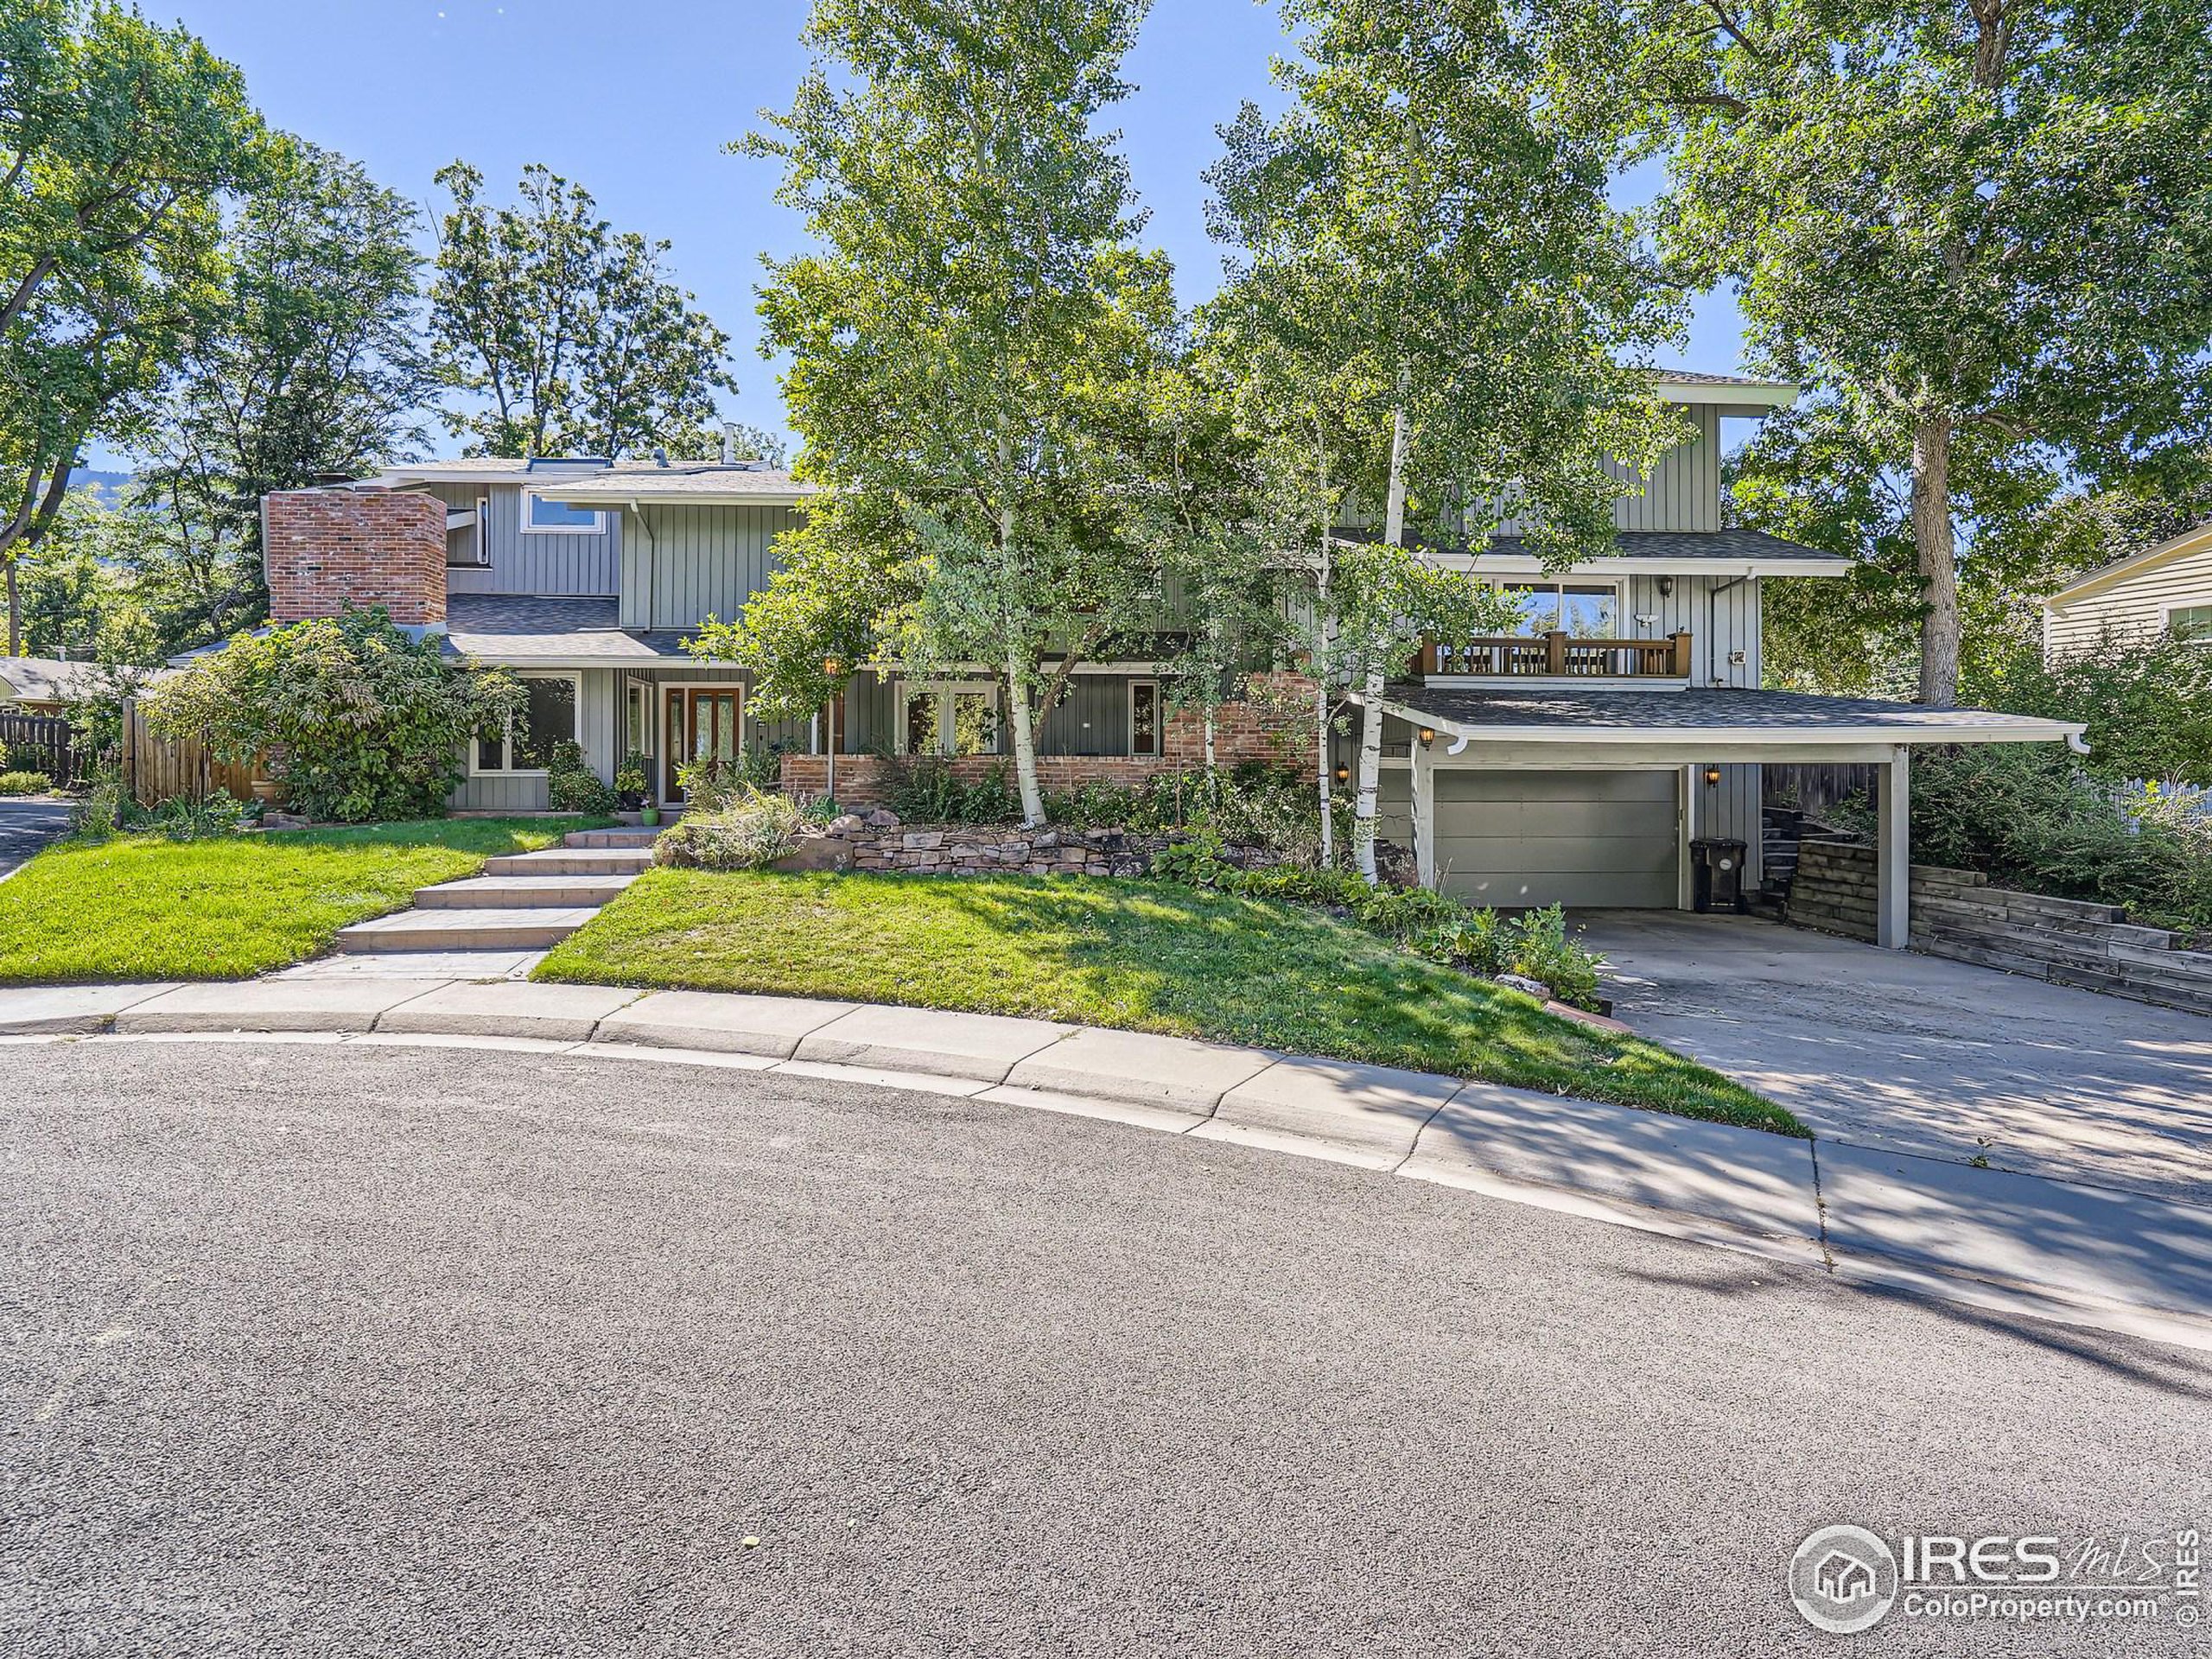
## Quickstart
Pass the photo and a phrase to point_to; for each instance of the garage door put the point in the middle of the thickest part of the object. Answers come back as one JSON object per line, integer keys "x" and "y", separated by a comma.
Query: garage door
{"x": 1596, "y": 838}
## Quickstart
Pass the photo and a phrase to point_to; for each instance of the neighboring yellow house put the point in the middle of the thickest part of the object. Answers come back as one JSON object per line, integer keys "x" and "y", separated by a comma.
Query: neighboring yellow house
{"x": 42, "y": 685}
{"x": 2166, "y": 590}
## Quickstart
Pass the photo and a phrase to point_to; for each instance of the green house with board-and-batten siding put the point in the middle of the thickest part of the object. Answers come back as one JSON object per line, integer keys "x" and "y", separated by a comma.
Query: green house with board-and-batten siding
{"x": 1575, "y": 761}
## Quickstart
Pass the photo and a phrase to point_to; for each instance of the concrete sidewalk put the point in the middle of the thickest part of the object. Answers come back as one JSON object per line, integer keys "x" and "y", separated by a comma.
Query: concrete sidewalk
{"x": 2019, "y": 1243}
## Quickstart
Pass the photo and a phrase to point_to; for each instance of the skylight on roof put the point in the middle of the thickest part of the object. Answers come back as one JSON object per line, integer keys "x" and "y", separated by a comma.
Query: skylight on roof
{"x": 569, "y": 463}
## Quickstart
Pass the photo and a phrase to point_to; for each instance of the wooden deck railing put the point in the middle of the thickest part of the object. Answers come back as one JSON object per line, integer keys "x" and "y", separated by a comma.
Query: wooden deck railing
{"x": 1559, "y": 655}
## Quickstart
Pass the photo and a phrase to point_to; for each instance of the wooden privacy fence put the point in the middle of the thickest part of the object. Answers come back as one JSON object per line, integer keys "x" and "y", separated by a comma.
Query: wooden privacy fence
{"x": 157, "y": 769}
{"x": 39, "y": 743}
{"x": 1815, "y": 787}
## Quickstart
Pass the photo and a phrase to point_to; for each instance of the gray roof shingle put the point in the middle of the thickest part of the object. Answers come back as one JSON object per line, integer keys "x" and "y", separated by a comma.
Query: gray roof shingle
{"x": 1563, "y": 710}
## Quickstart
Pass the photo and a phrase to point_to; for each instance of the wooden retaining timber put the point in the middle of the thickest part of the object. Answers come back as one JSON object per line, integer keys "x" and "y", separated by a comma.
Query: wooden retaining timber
{"x": 1957, "y": 914}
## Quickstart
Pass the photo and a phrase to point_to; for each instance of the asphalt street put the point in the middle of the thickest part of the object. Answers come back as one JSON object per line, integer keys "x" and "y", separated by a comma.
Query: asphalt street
{"x": 399, "y": 1351}
{"x": 27, "y": 825}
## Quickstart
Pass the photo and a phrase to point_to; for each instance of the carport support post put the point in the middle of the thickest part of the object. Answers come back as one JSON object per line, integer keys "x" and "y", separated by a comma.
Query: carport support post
{"x": 1893, "y": 862}
{"x": 1424, "y": 815}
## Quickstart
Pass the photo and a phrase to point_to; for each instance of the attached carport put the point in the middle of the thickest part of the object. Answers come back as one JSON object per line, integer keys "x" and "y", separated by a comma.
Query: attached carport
{"x": 1564, "y": 796}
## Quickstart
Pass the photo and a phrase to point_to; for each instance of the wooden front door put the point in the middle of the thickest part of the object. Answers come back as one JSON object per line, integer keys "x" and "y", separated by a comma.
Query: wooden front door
{"x": 702, "y": 723}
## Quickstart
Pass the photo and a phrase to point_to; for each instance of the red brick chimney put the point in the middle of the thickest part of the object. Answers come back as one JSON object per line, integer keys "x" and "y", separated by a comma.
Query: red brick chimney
{"x": 324, "y": 550}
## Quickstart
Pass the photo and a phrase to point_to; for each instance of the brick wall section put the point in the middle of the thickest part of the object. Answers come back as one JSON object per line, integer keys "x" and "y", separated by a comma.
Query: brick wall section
{"x": 329, "y": 549}
{"x": 1272, "y": 726}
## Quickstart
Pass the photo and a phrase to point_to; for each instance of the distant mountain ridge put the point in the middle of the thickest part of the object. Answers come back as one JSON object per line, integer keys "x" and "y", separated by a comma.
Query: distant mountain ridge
{"x": 110, "y": 484}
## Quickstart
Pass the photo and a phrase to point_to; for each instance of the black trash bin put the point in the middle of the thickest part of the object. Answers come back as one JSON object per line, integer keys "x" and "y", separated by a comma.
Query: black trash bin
{"x": 1717, "y": 874}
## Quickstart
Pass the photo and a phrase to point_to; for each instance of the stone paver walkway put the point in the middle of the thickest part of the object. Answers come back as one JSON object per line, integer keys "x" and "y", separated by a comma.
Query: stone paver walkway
{"x": 2017, "y": 1242}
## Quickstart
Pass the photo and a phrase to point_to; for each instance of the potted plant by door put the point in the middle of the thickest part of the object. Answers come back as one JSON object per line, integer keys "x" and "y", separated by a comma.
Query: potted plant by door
{"x": 630, "y": 779}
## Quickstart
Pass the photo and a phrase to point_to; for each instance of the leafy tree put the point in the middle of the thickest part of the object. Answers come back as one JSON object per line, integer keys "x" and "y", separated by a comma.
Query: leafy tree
{"x": 572, "y": 336}
{"x": 1983, "y": 228}
{"x": 79, "y": 599}
{"x": 117, "y": 137}
{"x": 970, "y": 342}
{"x": 311, "y": 366}
{"x": 1450, "y": 249}
{"x": 1220, "y": 577}
{"x": 361, "y": 720}
{"x": 841, "y": 582}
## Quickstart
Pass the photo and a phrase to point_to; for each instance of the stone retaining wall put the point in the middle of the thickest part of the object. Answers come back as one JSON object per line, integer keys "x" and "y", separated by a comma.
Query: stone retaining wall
{"x": 878, "y": 840}
{"x": 1957, "y": 914}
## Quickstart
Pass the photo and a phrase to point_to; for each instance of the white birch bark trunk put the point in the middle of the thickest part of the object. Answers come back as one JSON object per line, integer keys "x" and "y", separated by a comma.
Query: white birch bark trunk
{"x": 1370, "y": 724}
{"x": 1324, "y": 652}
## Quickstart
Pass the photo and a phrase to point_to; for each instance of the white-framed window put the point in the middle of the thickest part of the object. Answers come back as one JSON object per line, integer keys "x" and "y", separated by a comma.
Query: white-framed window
{"x": 544, "y": 516}
{"x": 636, "y": 717}
{"x": 2190, "y": 624}
{"x": 949, "y": 718}
{"x": 552, "y": 713}
{"x": 1582, "y": 610}
{"x": 1147, "y": 718}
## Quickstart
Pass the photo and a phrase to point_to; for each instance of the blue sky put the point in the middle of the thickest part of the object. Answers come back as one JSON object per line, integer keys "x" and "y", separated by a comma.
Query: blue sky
{"x": 636, "y": 99}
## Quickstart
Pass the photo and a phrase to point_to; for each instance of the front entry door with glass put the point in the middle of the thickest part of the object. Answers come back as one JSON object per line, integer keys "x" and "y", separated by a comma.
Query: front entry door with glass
{"x": 702, "y": 723}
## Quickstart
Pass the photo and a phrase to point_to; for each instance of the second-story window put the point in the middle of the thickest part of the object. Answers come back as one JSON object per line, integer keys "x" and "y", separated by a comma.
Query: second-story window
{"x": 1582, "y": 610}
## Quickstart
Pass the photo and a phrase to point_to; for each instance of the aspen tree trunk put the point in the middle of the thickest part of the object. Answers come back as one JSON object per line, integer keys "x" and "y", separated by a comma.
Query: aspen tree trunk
{"x": 1324, "y": 653}
{"x": 1370, "y": 724}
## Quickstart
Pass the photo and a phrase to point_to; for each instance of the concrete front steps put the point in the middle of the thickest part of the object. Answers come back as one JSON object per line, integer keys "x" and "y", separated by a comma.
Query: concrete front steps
{"x": 523, "y": 901}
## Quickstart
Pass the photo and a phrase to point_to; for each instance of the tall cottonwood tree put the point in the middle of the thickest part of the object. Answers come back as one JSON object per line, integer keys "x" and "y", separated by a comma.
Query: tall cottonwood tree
{"x": 311, "y": 365}
{"x": 969, "y": 342}
{"x": 117, "y": 137}
{"x": 567, "y": 336}
{"x": 1970, "y": 222}
{"x": 1442, "y": 257}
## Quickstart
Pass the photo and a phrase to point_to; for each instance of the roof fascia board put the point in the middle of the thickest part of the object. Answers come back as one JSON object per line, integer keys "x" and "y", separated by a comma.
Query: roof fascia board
{"x": 2023, "y": 729}
{"x": 2179, "y": 547}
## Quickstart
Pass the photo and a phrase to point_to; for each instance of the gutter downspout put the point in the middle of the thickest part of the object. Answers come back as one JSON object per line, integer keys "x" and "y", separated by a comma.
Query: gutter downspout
{"x": 1713, "y": 628}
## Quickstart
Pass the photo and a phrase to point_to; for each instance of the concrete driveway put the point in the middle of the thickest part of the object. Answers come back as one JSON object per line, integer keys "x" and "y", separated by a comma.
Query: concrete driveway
{"x": 26, "y": 825}
{"x": 1905, "y": 1052}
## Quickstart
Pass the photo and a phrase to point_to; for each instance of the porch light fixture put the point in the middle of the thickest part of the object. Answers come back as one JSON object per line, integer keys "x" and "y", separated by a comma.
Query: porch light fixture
{"x": 1344, "y": 774}
{"x": 1712, "y": 776}
{"x": 1427, "y": 737}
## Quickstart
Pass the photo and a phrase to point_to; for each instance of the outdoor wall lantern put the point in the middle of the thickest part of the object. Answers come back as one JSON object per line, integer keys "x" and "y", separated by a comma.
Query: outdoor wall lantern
{"x": 1712, "y": 776}
{"x": 1666, "y": 587}
{"x": 1344, "y": 774}
{"x": 1427, "y": 737}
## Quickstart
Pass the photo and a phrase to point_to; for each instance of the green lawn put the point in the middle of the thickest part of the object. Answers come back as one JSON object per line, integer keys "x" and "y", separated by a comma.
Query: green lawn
{"x": 144, "y": 907}
{"x": 1142, "y": 956}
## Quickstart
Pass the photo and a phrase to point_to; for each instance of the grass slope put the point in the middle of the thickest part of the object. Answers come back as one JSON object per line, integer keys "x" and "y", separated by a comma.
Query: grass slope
{"x": 142, "y": 908}
{"x": 1140, "y": 956}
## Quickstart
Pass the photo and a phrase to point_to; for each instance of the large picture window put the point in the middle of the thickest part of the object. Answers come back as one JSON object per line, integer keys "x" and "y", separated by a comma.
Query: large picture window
{"x": 1580, "y": 610}
{"x": 550, "y": 716}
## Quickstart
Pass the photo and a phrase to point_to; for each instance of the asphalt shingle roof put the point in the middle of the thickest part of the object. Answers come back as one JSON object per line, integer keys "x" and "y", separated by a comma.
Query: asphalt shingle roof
{"x": 1696, "y": 710}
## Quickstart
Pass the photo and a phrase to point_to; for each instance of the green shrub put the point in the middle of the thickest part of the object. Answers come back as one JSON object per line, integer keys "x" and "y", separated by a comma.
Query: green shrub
{"x": 751, "y": 830}
{"x": 633, "y": 778}
{"x": 570, "y": 786}
{"x": 361, "y": 721}
{"x": 2147, "y": 703}
{"x": 1535, "y": 945}
{"x": 182, "y": 818}
{"x": 102, "y": 810}
{"x": 24, "y": 783}
{"x": 2027, "y": 817}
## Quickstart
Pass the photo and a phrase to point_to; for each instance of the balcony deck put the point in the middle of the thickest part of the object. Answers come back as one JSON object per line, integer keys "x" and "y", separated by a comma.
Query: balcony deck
{"x": 1558, "y": 656}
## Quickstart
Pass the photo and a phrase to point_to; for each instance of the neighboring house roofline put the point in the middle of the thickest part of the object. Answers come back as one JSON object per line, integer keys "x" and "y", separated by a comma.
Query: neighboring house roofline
{"x": 2188, "y": 542}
